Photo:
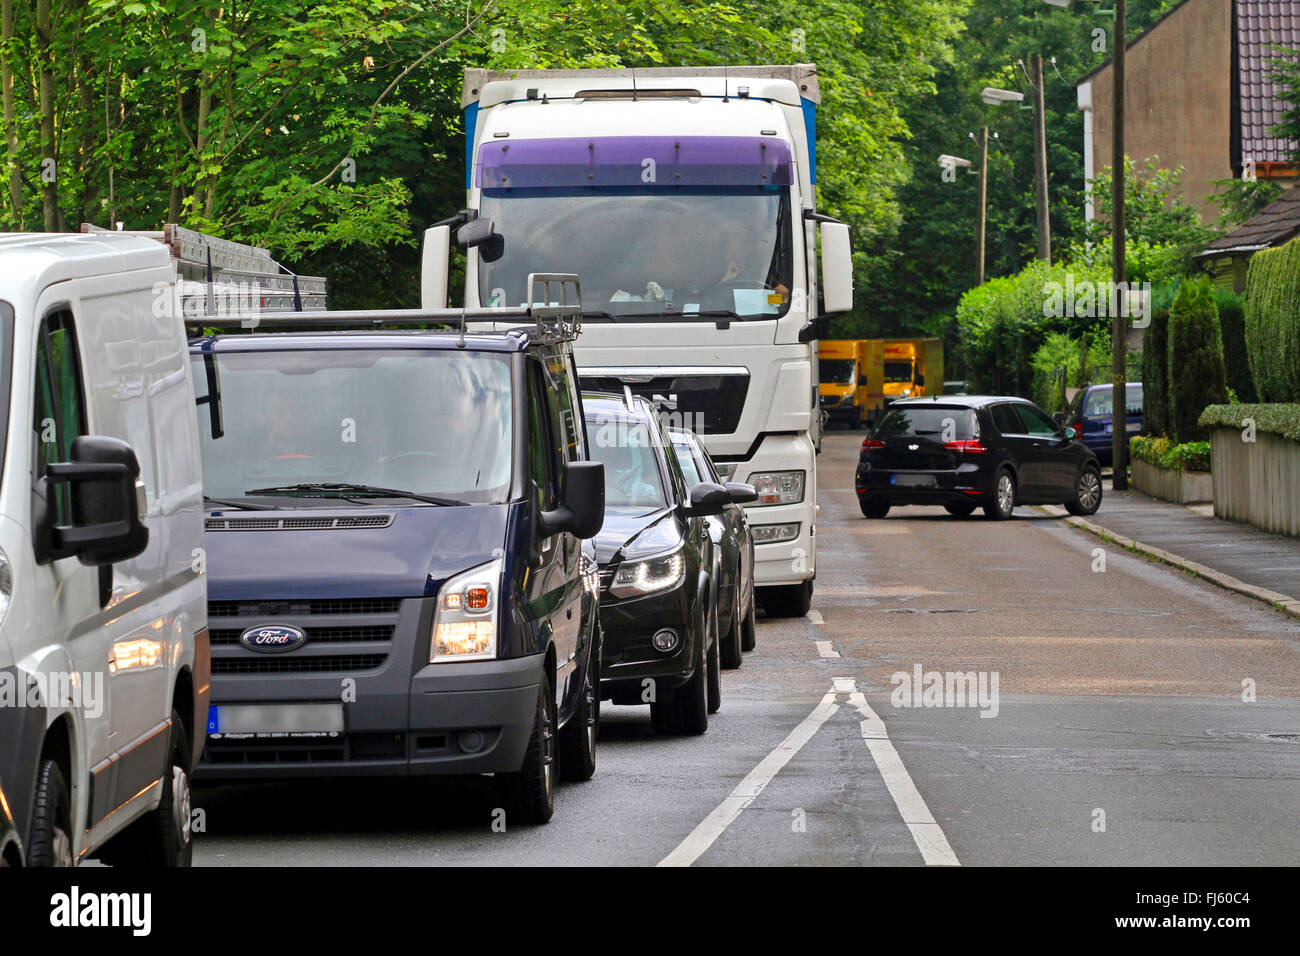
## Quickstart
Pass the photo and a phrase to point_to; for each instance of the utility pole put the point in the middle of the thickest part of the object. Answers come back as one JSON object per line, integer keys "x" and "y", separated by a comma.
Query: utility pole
{"x": 1118, "y": 321}
{"x": 1040, "y": 164}
{"x": 981, "y": 212}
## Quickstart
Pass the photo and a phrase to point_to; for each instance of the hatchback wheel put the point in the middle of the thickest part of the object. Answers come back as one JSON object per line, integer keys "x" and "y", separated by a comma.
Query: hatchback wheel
{"x": 960, "y": 509}
{"x": 1087, "y": 493}
{"x": 999, "y": 508}
{"x": 873, "y": 507}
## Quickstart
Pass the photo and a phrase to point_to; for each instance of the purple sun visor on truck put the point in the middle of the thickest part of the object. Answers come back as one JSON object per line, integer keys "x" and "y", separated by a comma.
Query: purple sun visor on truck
{"x": 635, "y": 161}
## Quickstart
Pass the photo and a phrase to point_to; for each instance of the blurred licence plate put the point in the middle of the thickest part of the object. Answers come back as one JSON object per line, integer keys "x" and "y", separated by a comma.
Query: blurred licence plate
{"x": 1133, "y": 427}
{"x": 275, "y": 719}
{"x": 912, "y": 481}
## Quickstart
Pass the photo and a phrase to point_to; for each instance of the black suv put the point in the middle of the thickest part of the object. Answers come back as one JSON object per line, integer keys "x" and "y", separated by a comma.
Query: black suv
{"x": 395, "y": 554}
{"x": 967, "y": 451}
{"x": 658, "y": 593}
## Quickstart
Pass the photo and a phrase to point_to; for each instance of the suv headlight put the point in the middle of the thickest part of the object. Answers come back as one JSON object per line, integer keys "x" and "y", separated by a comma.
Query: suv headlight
{"x": 465, "y": 624}
{"x": 778, "y": 487}
{"x": 6, "y": 585}
{"x": 649, "y": 575}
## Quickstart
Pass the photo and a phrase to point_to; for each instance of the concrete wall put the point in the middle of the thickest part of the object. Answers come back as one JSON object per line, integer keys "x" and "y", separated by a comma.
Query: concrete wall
{"x": 1178, "y": 99}
{"x": 1257, "y": 482}
{"x": 1184, "y": 487}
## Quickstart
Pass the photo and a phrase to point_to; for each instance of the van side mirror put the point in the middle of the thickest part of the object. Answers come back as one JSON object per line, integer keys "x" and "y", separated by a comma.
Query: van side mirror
{"x": 741, "y": 493}
{"x": 708, "y": 498}
{"x": 106, "y": 504}
{"x": 582, "y": 502}
{"x": 919, "y": 380}
{"x": 837, "y": 268}
{"x": 434, "y": 265}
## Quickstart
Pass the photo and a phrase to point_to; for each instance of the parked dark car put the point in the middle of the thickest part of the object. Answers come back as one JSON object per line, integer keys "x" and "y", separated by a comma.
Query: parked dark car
{"x": 658, "y": 594}
{"x": 1092, "y": 415}
{"x": 964, "y": 452}
{"x": 404, "y": 595}
{"x": 733, "y": 549}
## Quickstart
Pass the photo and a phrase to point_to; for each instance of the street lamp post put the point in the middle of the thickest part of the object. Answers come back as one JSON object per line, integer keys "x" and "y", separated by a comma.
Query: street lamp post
{"x": 981, "y": 206}
{"x": 1040, "y": 163}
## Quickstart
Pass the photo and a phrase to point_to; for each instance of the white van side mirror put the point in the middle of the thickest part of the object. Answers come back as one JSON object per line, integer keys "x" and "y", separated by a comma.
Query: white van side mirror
{"x": 434, "y": 265}
{"x": 837, "y": 268}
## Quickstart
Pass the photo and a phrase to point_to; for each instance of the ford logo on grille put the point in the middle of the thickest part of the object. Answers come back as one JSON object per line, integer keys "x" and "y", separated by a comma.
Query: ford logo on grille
{"x": 273, "y": 638}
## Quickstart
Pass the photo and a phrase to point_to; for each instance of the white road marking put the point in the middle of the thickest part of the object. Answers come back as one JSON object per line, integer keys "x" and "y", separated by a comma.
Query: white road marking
{"x": 825, "y": 650}
{"x": 926, "y": 832}
{"x": 815, "y": 616}
{"x": 712, "y": 827}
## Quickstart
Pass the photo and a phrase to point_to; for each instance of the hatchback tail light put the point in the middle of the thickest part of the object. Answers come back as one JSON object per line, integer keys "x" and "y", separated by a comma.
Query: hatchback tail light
{"x": 872, "y": 444}
{"x": 971, "y": 447}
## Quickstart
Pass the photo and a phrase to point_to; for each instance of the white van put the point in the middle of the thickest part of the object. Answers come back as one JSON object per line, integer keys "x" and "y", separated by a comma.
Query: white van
{"x": 103, "y": 600}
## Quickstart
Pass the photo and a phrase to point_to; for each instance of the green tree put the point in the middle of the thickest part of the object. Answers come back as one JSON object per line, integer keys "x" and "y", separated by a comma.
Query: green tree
{"x": 1195, "y": 359}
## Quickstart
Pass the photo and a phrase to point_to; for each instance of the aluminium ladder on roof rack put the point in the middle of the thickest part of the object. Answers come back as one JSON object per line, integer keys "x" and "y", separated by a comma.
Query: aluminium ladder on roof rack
{"x": 218, "y": 277}
{"x": 555, "y": 316}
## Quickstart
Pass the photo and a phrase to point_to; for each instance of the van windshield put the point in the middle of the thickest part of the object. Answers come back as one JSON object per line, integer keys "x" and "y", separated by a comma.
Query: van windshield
{"x": 837, "y": 371}
{"x": 413, "y": 420}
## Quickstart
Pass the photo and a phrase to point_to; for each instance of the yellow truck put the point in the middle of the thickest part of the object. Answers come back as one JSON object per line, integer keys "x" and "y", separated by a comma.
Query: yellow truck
{"x": 842, "y": 378}
{"x": 859, "y": 378}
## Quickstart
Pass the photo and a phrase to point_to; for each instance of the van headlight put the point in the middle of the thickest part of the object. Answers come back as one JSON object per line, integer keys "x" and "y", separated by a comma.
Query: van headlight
{"x": 649, "y": 575}
{"x": 6, "y": 585}
{"x": 778, "y": 487}
{"x": 465, "y": 624}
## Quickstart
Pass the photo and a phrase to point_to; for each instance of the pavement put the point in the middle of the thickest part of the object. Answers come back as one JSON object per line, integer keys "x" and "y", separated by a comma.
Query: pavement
{"x": 1136, "y": 716}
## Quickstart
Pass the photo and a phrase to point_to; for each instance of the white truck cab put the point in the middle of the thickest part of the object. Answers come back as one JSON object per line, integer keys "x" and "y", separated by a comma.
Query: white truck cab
{"x": 686, "y": 200}
{"x": 103, "y": 614}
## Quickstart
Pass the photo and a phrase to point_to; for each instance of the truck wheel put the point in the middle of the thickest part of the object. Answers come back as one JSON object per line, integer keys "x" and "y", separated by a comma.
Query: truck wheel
{"x": 162, "y": 836}
{"x": 730, "y": 656}
{"x": 791, "y": 600}
{"x": 50, "y": 842}
{"x": 530, "y": 791}
{"x": 578, "y": 738}
{"x": 749, "y": 634}
{"x": 873, "y": 507}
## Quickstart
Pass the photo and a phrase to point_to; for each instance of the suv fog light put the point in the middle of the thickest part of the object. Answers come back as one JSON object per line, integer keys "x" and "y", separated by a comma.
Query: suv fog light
{"x": 470, "y": 741}
{"x": 665, "y": 641}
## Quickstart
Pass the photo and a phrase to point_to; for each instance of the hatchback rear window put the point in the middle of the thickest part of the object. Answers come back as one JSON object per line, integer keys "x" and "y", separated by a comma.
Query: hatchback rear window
{"x": 941, "y": 422}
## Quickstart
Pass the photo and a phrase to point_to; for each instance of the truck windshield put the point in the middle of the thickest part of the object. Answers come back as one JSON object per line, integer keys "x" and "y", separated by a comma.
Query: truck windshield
{"x": 658, "y": 254}
{"x": 414, "y": 420}
{"x": 837, "y": 371}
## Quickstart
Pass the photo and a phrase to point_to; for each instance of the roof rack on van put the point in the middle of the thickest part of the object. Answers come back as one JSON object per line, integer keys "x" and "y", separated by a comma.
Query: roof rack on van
{"x": 556, "y": 316}
{"x": 217, "y": 277}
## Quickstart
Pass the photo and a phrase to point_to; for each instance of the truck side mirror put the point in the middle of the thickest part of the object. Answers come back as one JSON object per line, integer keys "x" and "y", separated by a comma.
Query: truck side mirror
{"x": 582, "y": 504}
{"x": 837, "y": 268}
{"x": 106, "y": 503}
{"x": 480, "y": 233}
{"x": 434, "y": 266}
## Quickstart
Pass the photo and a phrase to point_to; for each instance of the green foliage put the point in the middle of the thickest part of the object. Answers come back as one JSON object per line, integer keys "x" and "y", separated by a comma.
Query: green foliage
{"x": 1155, "y": 372}
{"x": 1236, "y": 361}
{"x": 1240, "y": 201}
{"x": 1286, "y": 88}
{"x": 1162, "y": 452}
{"x": 1274, "y": 419}
{"x": 1195, "y": 350}
{"x": 1272, "y": 320}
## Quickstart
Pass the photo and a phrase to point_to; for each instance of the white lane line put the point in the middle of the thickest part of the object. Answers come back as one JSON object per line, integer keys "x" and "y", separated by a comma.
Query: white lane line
{"x": 712, "y": 827}
{"x": 815, "y": 616}
{"x": 825, "y": 650}
{"x": 926, "y": 831}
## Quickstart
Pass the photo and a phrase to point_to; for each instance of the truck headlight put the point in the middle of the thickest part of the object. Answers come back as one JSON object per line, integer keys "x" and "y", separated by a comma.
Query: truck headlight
{"x": 6, "y": 585}
{"x": 649, "y": 576}
{"x": 465, "y": 624}
{"x": 778, "y": 487}
{"x": 773, "y": 533}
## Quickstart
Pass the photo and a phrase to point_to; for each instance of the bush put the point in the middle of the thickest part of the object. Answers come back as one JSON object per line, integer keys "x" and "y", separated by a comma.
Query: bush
{"x": 1282, "y": 420}
{"x": 1189, "y": 456}
{"x": 1195, "y": 350}
{"x": 1236, "y": 361}
{"x": 1155, "y": 373}
{"x": 1272, "y": 319}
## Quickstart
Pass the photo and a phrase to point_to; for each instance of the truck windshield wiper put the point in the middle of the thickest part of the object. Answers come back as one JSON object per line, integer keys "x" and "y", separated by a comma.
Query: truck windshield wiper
{"x": 599, "y": 315}
{"x": 722, "y": 317}
{"x": 241, "y": 505}
{"x": 348, "y": 488}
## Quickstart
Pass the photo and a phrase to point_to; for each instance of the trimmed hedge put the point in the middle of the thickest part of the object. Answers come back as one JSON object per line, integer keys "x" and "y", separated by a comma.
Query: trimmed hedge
{"x": 1155, "y": 373}
{"x": 1282, "y": 420}
{"x": 1236, "y": 360}
{"x": 1273, "y": 322}
{"x": 1189, "y": 456}
{"x": 1195, "y": 350}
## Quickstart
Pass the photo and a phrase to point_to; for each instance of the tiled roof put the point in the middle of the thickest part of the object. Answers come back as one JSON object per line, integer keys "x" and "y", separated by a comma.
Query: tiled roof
{"x": 1262, "y": 25}
{"x": 1274, "y": 224}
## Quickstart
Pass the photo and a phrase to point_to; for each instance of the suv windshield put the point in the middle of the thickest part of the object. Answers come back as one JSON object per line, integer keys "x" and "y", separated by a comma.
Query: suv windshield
{"x": 836, "y": 371}
{"x": 647, "y": 253}
{"x": 413, "y": 420}
{"x": 633, "y": 480}
{"x": 942, "y": 422}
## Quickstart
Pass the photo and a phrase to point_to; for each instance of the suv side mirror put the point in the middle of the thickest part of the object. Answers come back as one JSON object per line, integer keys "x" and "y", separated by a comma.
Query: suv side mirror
{"x": 106, "y": 504}
{"x": 741, "y": 493}
{"x": 708, "y": 498}
{"x": 582, "y": 505}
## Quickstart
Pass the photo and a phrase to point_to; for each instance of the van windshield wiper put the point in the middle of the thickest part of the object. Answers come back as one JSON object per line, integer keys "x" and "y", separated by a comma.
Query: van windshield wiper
{"x": 349, "y": 488}
{"x": 241, "y": 505}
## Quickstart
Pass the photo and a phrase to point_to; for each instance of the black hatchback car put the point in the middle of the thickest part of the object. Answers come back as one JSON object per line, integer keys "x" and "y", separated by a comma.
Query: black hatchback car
{"x": 964, "y": 452}
{"x": 658, "y": 594}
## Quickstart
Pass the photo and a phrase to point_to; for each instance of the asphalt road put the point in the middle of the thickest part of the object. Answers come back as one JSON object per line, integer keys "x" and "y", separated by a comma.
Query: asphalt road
{"x": 1118, "y": 733}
